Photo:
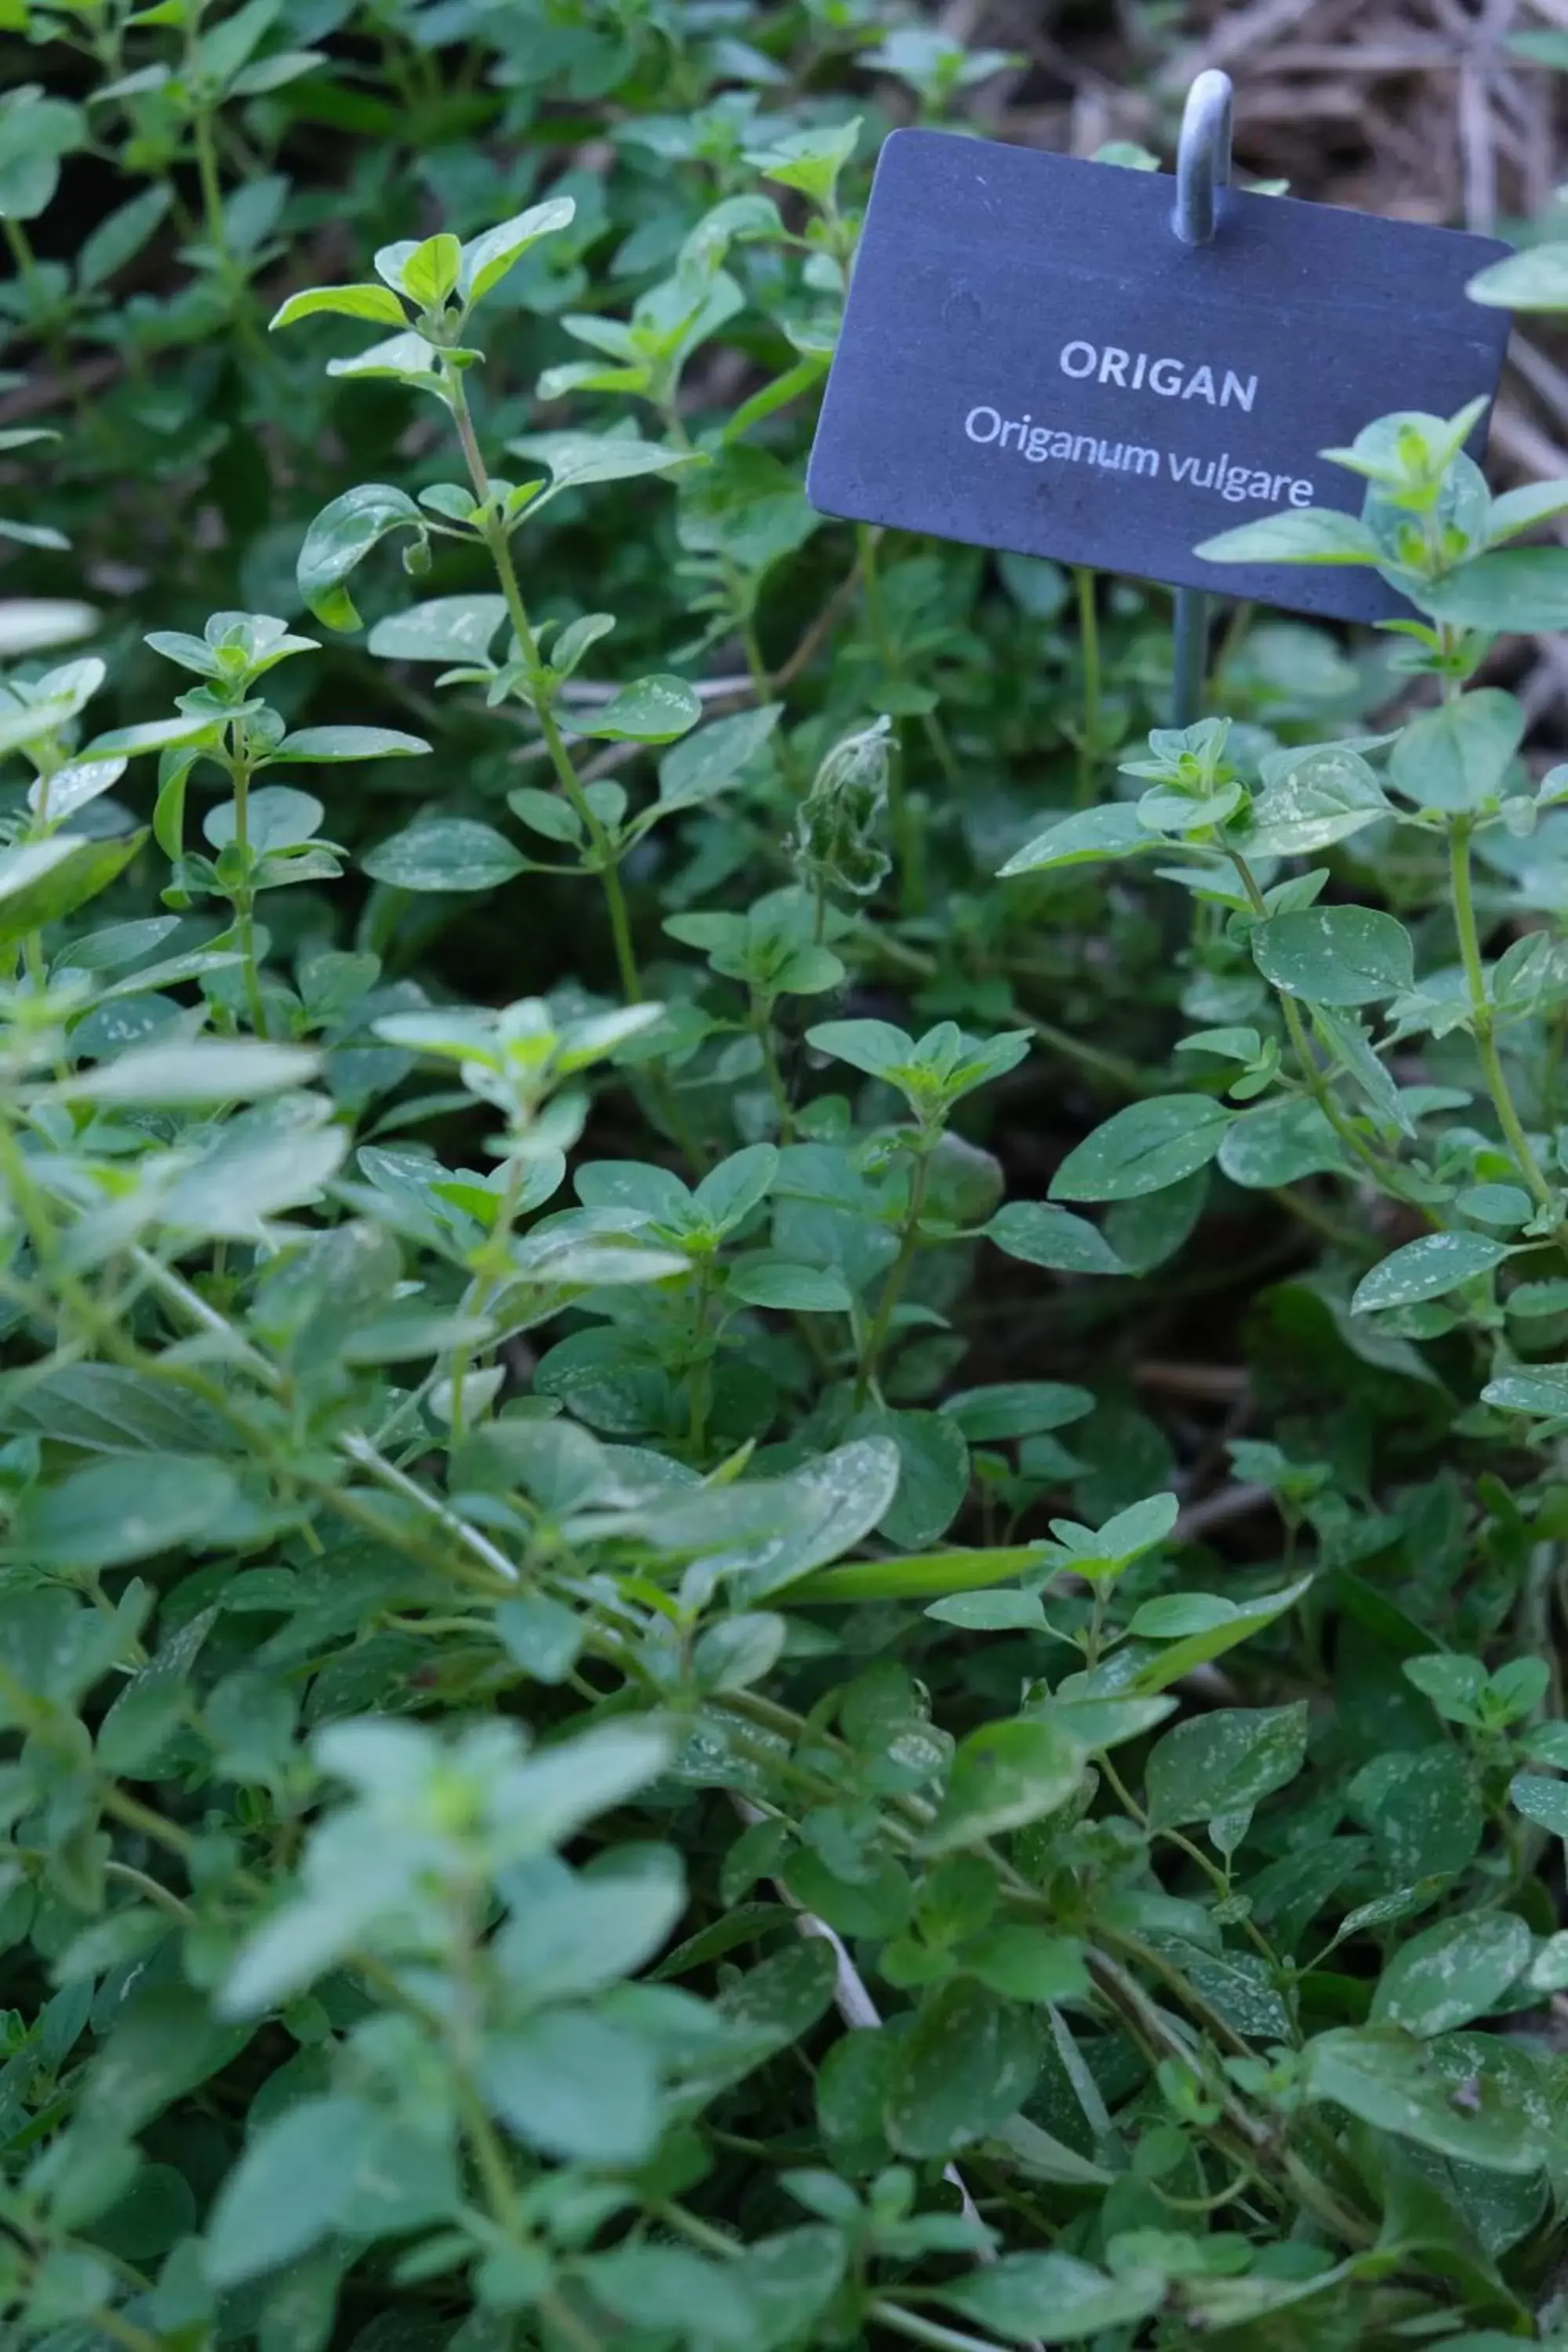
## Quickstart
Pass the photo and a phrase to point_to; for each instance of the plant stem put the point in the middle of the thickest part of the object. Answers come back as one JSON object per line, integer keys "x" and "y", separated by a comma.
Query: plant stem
{"x": 567, "y": 776}
{"x": 607, "y": 864}
{"x": 700, "y": 2233}
{"x": 926, "y": 2331}
{"x": 903, "y": 817}
{"x": 243, "y": 896}
{"x": 1230, "y": 644}
{"x": 483, "y": 1290}
{"x": 703, "y": 1366}
{"x": 351, "y": 1444}
{"x": 1093, "y": 715}
{"x": 741, "y": 611}
{"x": 1124, "y": 1075}
{"x": 134, "y": 1815}
{"x": 500, "y": 2189}
{"x": 49, "y": 328}
{"x": 230, "y": 276}
{"x": 898, "y": 1274}
{"x": 762, "y": 1029}
{"x": 1210, "y": 1869}
{"x": 501, "y": 2194}
{"x": 211, "y": 193}
{"x": 1317, "y": 1087}
{"x": 163, "y": 1896}
{"x": 1483, "y": 1027}
{"x": 496, "y": 539}
{"x": 120, "y": 2330}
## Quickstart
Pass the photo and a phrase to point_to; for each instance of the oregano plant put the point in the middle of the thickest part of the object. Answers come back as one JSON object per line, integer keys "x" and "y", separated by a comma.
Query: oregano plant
{"x": 780, "y": 1402}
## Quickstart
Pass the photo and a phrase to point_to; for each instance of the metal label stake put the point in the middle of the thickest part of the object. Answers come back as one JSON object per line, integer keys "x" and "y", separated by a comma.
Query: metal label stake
{"x": 1203, "y": 174}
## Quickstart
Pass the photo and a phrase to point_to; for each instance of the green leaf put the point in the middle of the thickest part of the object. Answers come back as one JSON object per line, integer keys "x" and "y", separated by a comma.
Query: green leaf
{"x": 152, "y": 1705}
{"x": 152, "y": 735}
{"x": 32, "y": 534}
{"x": 659, "y": 2287}
{"x": 1113, "y": 829}
{"x": 1427, "y": 1268}
{"x": 448, "y": 629}
{"x": 1224, "y": 1762}
{"x": 404, "y": 358}
{"x": 377, "y": 303}
{"x": 452, "y": 852}
{"x": 42, "y": 881}
{"x": 1535, "y": 279}
{"x": 1335, "y": 955}
{"x": 341, "y": 537}
{"x": 1124, "y": 1538}
{"x": 111, "y": 1409}
{"x": 1174, "y": 1616}
{"x": 712, "y": 758}
{"x": 36, "y": 130}
{"x": 932, "y": 1573}
{"x": 1039, "y": 1235}
{"x": 781, "y": 1999}
{"x": 125, "y": 1508}
{"x": 738, "y": 1651}
{"x": 800, "y": 1289}
{"x": 205, "y": 1070}
{"x": 280, "y": 818}
{"x": 1456, "y": 757}
{"x": 964, "y": 2069}
{"x": 1453, "y": 1972}
{"x": 574, "y": 2086}
{"x": 1540, "y": 1800}
{"x": 324, "y": 745}
{"x": 287, "y": 2190}
{"x": 728, "y": 1193}
{"x": 1327, "y": 794}
{"x": 1529, "y": 1388}
{"x": 121, "y": 234}
{"x": 1400, "y": 2085}
{"x": 773, "y": 1532}
{"x": 874, "y": 1046}
{"x": 275, "y": 72}
{"x": 1193, "y": 1650}
{"x": 546, "y": 813}
{"x": 991, "y": 1613}
{"x": 1053, "y": 2298}
{"x": 1517, "y": 590}
{"x": 653, "y": 710}
{"x": 74, "y": 787}
{"x": 933, "y": 1476}
{"x": 1017, "y": 1409}
{"x": 1278, "y": 1143}
{"x": 1307, "y": 535}
{"x": 487, "y": 258}
{"x": 577, "y": 460}
{"x": 789, "y": 2280}
{"x": 1142, "y": 1148}
{"x": 1422, "y": 1808}
{"x": 1098, "y": 1724}
{"x": 429, "y": 273}
{"x": 1453, "y": 1685}
{"x": 541, "y": 1635}
{"x": 1004, "y": 1774}
{"x": 809, "y": 159}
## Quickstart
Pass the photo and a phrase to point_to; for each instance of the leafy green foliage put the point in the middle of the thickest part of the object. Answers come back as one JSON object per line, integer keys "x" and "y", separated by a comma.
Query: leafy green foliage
{"x": 641, "y": 1309}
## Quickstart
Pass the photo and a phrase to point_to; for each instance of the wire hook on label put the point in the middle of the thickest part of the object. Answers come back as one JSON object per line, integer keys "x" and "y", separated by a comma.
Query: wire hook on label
{"x": 1203, "y": 174}
{"x": 1202, "y": 158}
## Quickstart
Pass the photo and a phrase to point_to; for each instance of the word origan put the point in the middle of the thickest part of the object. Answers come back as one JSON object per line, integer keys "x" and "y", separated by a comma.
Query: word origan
{"x": 1172, "y": 379}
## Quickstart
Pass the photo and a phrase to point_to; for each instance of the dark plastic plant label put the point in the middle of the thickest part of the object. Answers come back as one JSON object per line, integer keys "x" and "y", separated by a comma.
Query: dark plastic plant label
{"x": 1031, "y": 360}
